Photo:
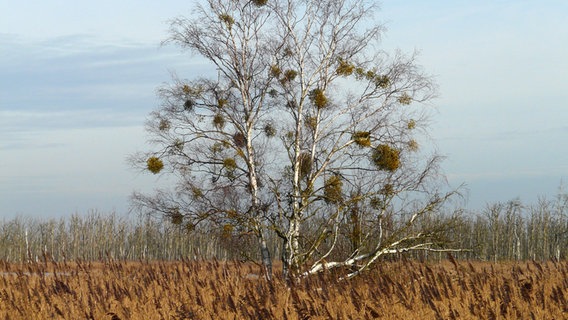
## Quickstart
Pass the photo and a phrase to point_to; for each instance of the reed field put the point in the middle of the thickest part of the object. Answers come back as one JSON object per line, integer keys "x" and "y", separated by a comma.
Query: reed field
{"x": 233, "y": 290}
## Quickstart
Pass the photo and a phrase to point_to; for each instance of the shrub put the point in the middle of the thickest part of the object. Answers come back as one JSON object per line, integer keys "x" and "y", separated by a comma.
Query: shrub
{"x": 386, "y": 158}
{"x": 289, "y": 75}
{"x": 176, "y": 217}
{"x": 188, "y": 105}
{"x": 405, "y": 99}
{"x": 164, "y": 125}
{"x": 411, "y": 124}
{"x": 219, "y": 121}
{"x": 154, "y": 164}
{"x": 344, "y": 68}
{"x": 305, "y": 160}
{"x": 259, "y": 3}
{"x": 332, "y": 189}
{"x": 227, "y": 19}
{"x": 269, "y": 130}
{"x": 362, "y": 138}
{"x": 318, "y": 98}
{"x": 275, "y": 71}
{"x": 413, "y": 145}
{"x": 239, "y": 139}
{"x": 230, "y": 164}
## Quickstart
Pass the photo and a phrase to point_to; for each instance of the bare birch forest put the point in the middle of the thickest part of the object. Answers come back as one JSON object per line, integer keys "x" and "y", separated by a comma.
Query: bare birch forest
{"x": 502, "y": 231}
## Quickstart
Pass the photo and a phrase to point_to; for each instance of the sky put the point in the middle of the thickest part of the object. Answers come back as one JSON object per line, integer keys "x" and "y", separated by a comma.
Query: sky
{"x": 78, "y": 79}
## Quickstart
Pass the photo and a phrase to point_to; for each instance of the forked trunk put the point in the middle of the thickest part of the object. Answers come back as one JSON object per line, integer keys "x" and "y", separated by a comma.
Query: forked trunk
{"x": 266, "y": 258}
{"x": 290, "y": 250}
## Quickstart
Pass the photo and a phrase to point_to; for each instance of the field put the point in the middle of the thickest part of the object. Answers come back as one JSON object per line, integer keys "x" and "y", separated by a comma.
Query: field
{"x": 232, "y": 290}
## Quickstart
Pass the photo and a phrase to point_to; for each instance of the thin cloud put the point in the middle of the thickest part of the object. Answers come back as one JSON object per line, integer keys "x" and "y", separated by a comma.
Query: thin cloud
{"x": 82, "y": 75}
{"x": 73, "y": 82}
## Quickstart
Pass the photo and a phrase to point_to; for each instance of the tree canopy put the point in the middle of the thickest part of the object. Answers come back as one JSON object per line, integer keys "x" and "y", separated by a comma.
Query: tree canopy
{"x": 309, "y": 131}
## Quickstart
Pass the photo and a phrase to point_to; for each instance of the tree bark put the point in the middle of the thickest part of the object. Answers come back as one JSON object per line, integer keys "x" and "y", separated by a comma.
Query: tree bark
{"x": 266, "y": 258}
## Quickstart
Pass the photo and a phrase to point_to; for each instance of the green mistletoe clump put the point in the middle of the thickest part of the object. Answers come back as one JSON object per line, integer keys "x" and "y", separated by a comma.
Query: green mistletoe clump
{"x": 386, "y": 158}
{"x": 154, "y": 164}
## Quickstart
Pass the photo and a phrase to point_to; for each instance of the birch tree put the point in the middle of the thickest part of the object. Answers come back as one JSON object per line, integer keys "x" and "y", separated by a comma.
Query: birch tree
{"x": 309, "y": 130}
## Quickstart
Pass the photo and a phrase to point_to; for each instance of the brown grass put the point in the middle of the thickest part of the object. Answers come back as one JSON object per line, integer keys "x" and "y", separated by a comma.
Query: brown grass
{"x": 217, "y": 290}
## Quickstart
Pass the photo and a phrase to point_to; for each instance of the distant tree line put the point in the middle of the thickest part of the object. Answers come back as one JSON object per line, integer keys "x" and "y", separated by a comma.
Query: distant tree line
{"x": 514, "y": 231}
{"x": 97, "y": 236}
{"x": 501, "y": 231}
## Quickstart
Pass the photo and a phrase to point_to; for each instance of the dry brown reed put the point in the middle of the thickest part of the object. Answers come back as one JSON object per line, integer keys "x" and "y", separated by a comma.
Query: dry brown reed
{"x": 232, "y": 290}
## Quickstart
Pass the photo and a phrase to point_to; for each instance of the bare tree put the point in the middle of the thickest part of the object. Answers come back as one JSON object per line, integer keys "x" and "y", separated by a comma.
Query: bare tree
{"x": 308, "y": 131}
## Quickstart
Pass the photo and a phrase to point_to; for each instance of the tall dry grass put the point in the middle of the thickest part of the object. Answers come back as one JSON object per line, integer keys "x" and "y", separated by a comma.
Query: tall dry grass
{"x": 231, "y": 290}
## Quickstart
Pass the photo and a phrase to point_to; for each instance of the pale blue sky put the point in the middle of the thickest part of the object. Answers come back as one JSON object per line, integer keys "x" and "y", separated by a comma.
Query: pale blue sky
{"x": 77, "y": 80}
